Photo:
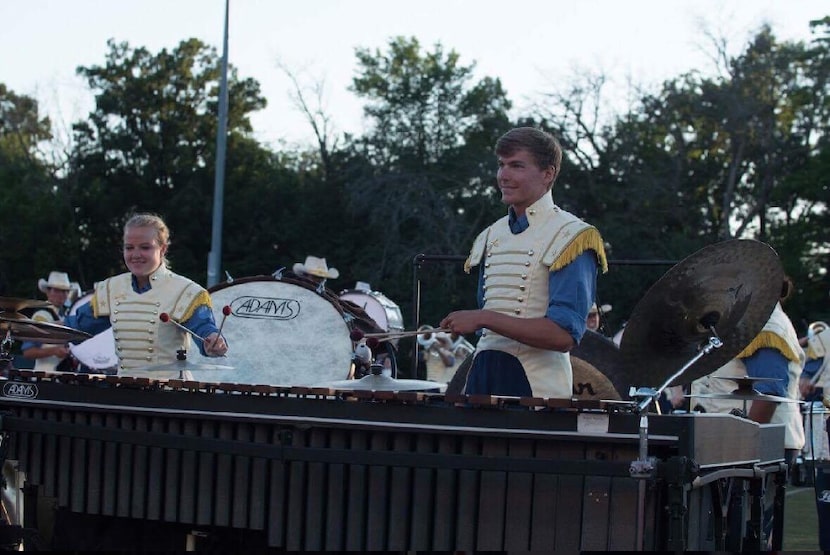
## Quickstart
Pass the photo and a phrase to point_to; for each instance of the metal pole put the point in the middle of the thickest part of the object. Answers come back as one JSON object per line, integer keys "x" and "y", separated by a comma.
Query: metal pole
{"x": 215, "y": 256}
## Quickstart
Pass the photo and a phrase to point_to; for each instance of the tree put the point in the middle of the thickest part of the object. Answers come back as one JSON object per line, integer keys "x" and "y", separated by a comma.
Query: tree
{"x": 35, "y": 213}
{"x": 149, "y": 145}
{"x": 430, "y": 178}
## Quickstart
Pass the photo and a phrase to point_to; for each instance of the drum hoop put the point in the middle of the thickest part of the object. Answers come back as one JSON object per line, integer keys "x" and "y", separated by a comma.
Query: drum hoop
{"x": 327, "y": 294}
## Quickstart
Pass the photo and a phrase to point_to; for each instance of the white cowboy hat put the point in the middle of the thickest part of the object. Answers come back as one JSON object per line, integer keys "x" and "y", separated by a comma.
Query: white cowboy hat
{"x": 57, "y": 280}
{"x": 606, "y": 308}
{"x": 316, "y": 267}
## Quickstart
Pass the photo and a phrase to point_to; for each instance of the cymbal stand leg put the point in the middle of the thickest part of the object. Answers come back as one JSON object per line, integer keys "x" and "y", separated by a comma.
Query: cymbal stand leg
{"x": 6, "y": 356}
{"x": 645, "y": 466}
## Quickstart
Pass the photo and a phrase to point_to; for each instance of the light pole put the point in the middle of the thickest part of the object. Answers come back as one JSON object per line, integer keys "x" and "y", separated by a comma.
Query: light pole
{"x": 215, "y": 255}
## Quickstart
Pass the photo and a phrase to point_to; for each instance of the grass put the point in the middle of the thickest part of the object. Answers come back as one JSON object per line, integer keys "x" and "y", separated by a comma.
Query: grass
{"x": 800, "y": 520}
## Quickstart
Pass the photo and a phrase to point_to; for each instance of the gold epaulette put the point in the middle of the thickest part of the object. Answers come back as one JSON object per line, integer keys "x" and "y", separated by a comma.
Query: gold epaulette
{"x": 768, "y": 340}
{"x": 202, "y": 298}
{"x": 588, "y": 239}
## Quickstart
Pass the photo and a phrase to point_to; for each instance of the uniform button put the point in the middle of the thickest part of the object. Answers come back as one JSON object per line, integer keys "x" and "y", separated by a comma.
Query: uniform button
{"x": 522, "y": 287}
{"x": 520, "y": 299}
{"x": 518, "y": 311}
{"x": 524, "y": 276}
{"x": 527, "y": 263}
{"x": 530, "y": 253}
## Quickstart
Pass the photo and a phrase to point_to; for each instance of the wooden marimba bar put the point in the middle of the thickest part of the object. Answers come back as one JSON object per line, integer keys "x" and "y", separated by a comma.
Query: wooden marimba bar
{"x": 306, "y": 469}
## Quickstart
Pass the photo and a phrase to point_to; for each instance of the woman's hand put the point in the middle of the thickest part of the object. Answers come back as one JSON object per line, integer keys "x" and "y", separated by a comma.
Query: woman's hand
{"x": 215, "y": 345}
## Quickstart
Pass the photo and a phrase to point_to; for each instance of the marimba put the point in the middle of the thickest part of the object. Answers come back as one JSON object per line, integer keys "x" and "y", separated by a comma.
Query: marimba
{"x": 130, "y": 463}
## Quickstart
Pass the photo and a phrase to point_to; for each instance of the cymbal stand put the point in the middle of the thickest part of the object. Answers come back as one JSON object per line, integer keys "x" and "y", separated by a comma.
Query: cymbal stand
{"x": 6, "y": 357}
{"x": 644, "y": 466}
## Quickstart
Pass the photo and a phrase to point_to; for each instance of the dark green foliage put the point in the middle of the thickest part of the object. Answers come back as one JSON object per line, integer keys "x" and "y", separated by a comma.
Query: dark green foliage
{"x": 742, "y": 154}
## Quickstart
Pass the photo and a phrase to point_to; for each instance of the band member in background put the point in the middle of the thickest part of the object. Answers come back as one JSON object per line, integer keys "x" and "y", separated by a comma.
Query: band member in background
{"x": 141, "y": 295}
{"x": 532, "y": 306}
{"x": 596, "y": 317}
{"x": 51, "y": 357}
{"x": 774, "y": 353}
{"x": 316, "y": 270}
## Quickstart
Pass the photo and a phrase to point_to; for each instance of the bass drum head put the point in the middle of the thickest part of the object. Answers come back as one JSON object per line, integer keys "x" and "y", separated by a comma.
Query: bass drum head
{"x": 602, "y": 354}
{"x": 280, "y": 333}
{"x": 590, "y": 383}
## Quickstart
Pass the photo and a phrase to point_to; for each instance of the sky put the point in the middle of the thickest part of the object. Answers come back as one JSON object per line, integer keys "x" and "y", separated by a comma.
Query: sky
{"x": 531, "y": 46}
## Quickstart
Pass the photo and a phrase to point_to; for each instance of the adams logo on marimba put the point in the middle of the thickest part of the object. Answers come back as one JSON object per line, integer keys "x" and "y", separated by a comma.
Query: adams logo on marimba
{"x": 20, "y": 390}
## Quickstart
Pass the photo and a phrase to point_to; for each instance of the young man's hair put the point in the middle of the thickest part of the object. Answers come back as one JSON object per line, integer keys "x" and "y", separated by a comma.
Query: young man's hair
{"x": 542, "y": 146}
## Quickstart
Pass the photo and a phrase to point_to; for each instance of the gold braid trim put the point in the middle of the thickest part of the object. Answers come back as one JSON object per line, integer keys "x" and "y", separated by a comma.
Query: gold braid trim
{"x": 767, "y": 339}
{"x": 94, "y": 302}
{"x": 201, "y": 298}
{"x": 588, "y": 239}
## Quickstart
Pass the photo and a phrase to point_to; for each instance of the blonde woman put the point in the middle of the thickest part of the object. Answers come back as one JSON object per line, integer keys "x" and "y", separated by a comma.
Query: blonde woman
{"x": 132, "y": 304}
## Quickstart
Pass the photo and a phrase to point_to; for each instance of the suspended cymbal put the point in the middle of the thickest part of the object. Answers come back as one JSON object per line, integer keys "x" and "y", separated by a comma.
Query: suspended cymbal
{"x": 745, "y": 382}
{"x": 752, "y": 395}
{"x": 603, "y": 355}
{"x": 732, "y": 286}
{"x": 590, "y": 383}
{"x": 183, "y": 365}
{"x": 13, "y": 304}
{"x": 42, "y": 332}
{"x": 379, "y": 382}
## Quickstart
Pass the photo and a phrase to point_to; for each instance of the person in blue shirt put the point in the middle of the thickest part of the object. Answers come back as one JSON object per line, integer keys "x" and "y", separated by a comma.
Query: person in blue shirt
{"x": 50, "y": 356}
{"x": 537, "y": 268}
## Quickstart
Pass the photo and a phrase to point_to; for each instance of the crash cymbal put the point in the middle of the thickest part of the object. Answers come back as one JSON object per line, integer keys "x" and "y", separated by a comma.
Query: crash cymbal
{"x": 732, "y": 286}
{"x": 379, "y": 382}
{"x": 751, "y": 395}
{"x": 13, "y": 304}
{"x": 42, "y": 332}
{"x": 604, "y": 355}
{"x": 590, "y": 383}
{"x": 182, "y": 365}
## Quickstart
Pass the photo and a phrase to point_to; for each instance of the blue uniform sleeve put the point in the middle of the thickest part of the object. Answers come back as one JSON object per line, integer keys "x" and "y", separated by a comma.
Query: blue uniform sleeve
{"x": 572, "y": 292}
{"x": 84, "y": 320}
{"x": 202, "y": 324}
{"x": 769, "y": 363}
{"x": 28, "y": 345}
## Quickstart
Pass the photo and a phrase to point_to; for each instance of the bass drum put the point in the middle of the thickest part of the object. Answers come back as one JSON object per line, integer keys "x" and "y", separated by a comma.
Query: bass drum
{"x": 386, "y": 314}
{"x": 280, "y": 332}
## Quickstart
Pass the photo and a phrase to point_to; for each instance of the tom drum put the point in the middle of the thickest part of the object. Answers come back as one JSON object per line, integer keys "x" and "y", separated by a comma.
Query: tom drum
{"x": 386, "y": 314}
